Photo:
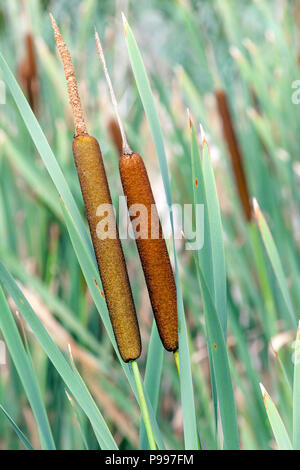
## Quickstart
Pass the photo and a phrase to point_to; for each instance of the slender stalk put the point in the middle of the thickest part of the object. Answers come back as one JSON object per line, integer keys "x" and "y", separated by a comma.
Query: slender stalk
{"x": 176, "y": 357}
{"x": 143, "y": 404}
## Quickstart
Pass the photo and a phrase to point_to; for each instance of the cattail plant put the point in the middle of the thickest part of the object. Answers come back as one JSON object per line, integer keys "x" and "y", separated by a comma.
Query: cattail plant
{"x": 108, "y": 251}
{"x": 231, "y": 139}
{"x": 150, "y": 241}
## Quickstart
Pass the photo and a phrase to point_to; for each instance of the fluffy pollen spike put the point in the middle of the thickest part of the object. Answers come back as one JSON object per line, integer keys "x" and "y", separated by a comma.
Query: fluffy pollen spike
{"x": 202, "y": 135}
{"x": 79, "y": 122}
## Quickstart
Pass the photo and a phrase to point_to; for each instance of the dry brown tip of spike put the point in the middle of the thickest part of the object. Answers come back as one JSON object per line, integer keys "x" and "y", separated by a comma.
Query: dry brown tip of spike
{"x": 80, "y": 126}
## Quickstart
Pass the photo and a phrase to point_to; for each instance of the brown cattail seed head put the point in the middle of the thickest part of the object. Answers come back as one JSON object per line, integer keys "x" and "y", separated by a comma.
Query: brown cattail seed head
{"x": 109, "y": 254}
{"x": 235, "y": 153}
{"x": 153, "y": 251}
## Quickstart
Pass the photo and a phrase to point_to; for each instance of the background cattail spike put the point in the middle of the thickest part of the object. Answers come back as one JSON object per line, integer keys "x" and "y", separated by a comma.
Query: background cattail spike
{"x": 234, "y": 152}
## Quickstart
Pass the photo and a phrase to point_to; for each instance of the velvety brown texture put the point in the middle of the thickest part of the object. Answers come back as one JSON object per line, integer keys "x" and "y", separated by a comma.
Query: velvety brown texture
{"x": 109, "y": 253}
{"x": 235, "y": 153}
{"x": 153, "y": 252}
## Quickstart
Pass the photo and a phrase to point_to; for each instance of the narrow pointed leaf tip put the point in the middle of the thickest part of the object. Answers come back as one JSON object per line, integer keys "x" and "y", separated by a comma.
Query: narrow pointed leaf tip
{"x": 124, "y": 19}
{"x": 126, "y": 148}
{"x": 279, "y": 430}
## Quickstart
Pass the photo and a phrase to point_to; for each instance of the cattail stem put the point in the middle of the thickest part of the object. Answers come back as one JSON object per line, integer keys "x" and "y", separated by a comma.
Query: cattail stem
{"x": 143, "y": 404}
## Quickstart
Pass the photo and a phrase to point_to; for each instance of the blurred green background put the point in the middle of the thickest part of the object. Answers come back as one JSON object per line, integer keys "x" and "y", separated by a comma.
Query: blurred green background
{"x": 189, "y": 47}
